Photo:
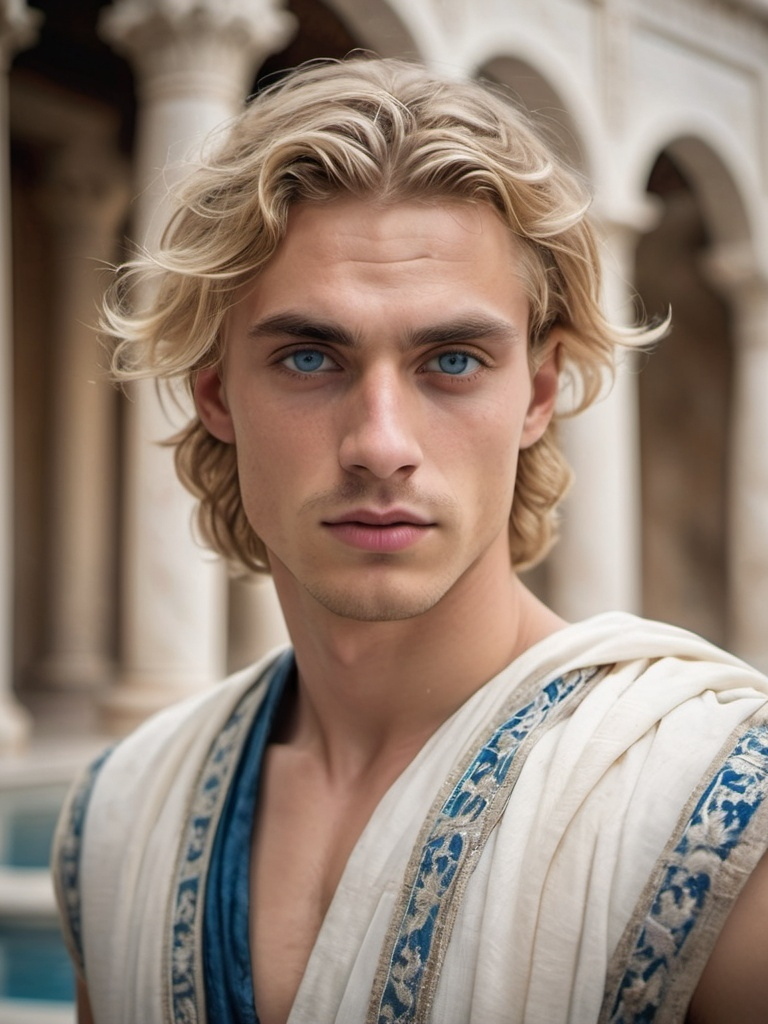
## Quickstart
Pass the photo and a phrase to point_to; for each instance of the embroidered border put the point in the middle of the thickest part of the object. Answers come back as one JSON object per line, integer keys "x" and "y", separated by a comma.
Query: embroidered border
{"x": 449, "y": 848}
{"x": 186, "y": 978}
{"x": 70, "y": 848}
{"x": 721, "y": 817}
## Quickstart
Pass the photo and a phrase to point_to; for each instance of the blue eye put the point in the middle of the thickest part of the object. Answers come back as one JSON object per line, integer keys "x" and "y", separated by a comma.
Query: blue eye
{"x": 457, "y": 364}
{"x": 308, "y": 360}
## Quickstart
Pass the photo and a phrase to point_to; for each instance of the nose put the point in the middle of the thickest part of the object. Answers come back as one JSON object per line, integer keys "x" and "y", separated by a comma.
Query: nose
{"x": 380, "y": 426}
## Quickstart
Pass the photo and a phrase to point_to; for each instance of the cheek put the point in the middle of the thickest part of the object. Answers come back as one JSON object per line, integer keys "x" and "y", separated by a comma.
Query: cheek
{"x": 258, "y": 466}
{"x": 489, "y": 466}
{"x": 500, "y": 453}
{"x": 256, "y": 487}
{"x": 495, "y": 438}
{"x": 278, "y": 461}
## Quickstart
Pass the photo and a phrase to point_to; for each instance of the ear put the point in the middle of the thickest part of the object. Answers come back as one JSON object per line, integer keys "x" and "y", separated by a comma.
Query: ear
{"x": 211, "y": 404}
{"x": 544, "y": 388}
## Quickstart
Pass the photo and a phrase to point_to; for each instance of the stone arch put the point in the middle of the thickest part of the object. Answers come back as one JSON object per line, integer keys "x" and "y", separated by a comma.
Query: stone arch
{"x": 526, "y": 60}
{"x": 722, "y": 200}
{"x": 538, "y": 95}
{"x": 716, "y": 167}
{"x": 685, "y": 389}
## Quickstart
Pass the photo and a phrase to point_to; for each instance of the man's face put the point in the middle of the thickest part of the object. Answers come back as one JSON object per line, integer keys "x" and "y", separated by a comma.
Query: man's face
{"x": 377, "y": 387}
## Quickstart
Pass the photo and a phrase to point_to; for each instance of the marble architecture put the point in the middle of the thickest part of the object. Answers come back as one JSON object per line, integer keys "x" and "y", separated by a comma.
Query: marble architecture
{"x": 108, "y": 607}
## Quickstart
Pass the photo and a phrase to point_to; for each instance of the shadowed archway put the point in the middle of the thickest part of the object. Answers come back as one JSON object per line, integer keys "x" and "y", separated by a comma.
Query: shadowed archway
{"x": 685, "y": 402}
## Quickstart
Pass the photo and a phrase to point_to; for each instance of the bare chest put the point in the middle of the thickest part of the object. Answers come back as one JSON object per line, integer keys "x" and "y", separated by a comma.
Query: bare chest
{"x": 303, "y": 836}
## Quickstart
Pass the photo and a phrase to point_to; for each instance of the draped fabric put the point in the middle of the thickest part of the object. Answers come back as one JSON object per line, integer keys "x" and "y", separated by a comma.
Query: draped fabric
{"x": 564, "y": 848}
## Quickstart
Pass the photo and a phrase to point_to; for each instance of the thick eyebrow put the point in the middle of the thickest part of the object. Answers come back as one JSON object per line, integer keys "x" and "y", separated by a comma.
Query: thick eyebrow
{"x": 458, "y": 330}
{"x": 468, "y": 327}
{"x": 303, "y": 328}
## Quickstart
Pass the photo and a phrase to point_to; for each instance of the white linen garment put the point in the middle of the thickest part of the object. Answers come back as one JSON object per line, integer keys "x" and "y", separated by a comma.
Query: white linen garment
{"x": 563, "y": 850}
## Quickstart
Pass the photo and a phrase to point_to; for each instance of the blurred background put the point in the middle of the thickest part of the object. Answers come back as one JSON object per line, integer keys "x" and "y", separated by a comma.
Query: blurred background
{"x": 108, "y": 608}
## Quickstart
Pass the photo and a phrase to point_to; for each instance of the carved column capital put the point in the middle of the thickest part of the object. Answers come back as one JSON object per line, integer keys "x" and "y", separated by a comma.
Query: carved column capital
{"x": 18, "y": 28}
{"x": 628, "y": 216}
{"x": 174, "y": 44}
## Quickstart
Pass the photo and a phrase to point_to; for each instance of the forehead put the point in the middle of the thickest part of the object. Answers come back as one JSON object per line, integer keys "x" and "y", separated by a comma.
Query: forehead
{"x": 350, "y": 256}
{"x": 365, "y": 231}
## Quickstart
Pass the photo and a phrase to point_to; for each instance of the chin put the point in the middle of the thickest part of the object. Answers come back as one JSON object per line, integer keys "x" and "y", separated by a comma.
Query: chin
{"x": 378, "y": 607}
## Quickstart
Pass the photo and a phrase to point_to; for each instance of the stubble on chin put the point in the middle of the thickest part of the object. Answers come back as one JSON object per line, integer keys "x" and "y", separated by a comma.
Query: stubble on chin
{"x": 382, "y": 606}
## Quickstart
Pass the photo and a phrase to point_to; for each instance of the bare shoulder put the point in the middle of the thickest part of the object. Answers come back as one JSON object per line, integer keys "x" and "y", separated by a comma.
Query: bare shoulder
{"x": 734, "y": 985}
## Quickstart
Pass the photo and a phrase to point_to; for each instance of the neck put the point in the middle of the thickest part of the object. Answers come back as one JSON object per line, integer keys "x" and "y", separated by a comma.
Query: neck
{"x": 369, "y": 691}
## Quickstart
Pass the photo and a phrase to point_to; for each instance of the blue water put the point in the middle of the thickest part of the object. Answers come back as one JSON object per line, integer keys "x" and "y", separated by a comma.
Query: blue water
{"x": 34, "y": 963}
{"x": 28, "y": 820}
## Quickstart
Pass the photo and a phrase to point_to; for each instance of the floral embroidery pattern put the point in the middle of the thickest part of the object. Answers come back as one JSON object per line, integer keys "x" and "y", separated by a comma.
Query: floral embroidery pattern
{"x": 203, "y": 816}
{"x": 722, "y": 814}
{"x": 452, "y": 849}
{"x": 70, "y": 851}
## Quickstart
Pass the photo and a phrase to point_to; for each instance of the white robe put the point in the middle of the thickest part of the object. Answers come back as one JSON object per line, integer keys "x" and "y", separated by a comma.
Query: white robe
{"x": 581, "y": 880}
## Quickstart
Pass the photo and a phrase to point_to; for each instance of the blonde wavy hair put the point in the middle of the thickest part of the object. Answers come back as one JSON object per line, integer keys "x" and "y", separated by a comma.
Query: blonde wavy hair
{"x": 369, "y": 128}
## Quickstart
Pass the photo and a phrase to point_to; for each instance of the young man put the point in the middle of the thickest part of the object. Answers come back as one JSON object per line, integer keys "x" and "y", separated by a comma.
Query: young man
{"x": 443, "y": 803}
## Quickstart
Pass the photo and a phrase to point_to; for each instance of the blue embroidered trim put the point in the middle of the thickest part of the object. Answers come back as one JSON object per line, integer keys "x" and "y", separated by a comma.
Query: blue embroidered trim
{"x": 70, "y": 851}
{"x": 200, "y": 829}
{"x": 451, "y": 849}
{"x": 716, "y": 826}
{"x": 187, "y": 976}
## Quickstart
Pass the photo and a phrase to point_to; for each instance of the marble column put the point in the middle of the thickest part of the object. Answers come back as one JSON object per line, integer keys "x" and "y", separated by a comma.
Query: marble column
{"x": 17, "y": 30}
{"x": 596, "y": 565}
{"x": 194, "y": 61}
{"x": 732, "y": 269}
{"x": 85, "y": 199}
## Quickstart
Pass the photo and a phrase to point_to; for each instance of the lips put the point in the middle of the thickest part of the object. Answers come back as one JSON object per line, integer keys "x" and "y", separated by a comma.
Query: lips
{"x": 388, "y": 517}
{"x": 383, "y": 532}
